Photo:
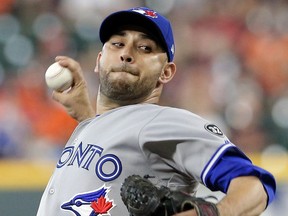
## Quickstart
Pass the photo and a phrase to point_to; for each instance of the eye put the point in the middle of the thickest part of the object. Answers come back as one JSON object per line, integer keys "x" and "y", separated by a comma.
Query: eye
{"x": 117, "y": 44}
{"x": 146, "y": 48}
{"x": 78, "y": 203}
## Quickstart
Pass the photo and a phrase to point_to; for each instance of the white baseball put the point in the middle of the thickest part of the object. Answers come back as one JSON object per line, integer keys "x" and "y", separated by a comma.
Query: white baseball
{"x": 58, "y": 78}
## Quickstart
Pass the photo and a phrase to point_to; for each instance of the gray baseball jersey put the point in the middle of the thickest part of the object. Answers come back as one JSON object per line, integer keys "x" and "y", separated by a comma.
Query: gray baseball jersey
{"x": 175, "y": 147}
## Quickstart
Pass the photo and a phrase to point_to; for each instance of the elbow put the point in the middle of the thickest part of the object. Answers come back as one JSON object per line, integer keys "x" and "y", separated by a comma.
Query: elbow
{"x": 262, "y": 198}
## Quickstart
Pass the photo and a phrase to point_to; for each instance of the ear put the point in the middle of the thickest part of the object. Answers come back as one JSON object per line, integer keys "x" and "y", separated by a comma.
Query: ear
{"x": 168, "y": 72}
{"x": 96, "y": 70}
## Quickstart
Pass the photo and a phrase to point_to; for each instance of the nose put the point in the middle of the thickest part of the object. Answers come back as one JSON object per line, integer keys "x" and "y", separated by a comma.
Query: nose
{"x": 127, "y": 53}
{"x": 126, "y": 58}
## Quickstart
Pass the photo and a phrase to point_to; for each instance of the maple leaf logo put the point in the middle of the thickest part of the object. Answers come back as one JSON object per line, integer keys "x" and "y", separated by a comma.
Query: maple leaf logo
{"x": 101, "y": 206}
{"x": 151, "y": 13}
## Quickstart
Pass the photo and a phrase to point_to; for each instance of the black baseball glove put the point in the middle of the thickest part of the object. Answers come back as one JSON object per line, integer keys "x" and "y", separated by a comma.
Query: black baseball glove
{"x": 142, "y": 198}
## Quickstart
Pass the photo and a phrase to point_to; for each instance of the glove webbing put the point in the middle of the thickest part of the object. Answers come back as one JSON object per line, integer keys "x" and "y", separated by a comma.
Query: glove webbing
{"x": 142, "y": 198}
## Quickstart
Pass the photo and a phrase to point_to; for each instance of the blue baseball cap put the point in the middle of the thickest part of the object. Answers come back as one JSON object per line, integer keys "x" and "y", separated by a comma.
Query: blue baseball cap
{"x": 146, "y": 18}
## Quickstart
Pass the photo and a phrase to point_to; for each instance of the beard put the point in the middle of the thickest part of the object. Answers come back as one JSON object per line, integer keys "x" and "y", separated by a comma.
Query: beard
{"x": 122, "y": 89}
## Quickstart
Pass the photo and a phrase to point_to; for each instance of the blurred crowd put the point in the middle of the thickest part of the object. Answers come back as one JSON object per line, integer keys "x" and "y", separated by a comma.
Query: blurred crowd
{"x": 231, "y": 56}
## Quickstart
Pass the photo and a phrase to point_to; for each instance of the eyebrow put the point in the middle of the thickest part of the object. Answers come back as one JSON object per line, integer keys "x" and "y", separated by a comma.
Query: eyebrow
{"x": 143, "y": 35}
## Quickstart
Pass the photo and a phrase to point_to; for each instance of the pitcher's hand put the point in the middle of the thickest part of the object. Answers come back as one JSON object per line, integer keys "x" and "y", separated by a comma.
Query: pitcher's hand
{"x": 76, "y": 99}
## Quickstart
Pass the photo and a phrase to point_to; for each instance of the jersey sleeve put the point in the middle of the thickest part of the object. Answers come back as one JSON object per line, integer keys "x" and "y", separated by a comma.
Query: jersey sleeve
{"x": 232, "y": 163}
{"x": 181, "y": 139}
{"x": 198, "y": 149}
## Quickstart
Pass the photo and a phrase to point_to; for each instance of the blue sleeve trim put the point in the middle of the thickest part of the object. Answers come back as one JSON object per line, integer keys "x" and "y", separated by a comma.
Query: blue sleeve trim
{"x": 232, "y": 163}
{"x": 214, "y": 159}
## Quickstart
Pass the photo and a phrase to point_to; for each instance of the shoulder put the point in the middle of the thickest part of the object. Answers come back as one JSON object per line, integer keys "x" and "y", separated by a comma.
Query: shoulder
{"x": 153, "y": 111}
{"x": 180, "y": 117}
{"x": 172, "y": 113}
{"x": 180, "y": 122}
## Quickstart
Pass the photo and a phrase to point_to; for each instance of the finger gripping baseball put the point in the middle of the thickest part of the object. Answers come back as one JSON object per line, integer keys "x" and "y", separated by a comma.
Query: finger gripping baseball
{"x": 142, "y": 198}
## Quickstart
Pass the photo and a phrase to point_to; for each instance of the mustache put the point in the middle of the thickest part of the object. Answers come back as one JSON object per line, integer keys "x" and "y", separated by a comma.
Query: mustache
{"x": 125, "y": 68}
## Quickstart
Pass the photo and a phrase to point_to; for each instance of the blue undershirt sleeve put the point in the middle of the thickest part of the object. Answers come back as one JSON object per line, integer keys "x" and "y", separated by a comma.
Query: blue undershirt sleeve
{"x": 234, "y": 163}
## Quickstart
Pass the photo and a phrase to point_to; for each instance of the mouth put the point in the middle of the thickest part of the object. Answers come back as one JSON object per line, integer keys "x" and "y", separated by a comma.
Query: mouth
{"x": 126, "y": 69}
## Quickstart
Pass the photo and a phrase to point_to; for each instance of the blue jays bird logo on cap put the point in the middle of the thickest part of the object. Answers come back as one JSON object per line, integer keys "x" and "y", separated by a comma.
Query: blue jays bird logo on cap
{"x": 91, "y": 203}
{"x": 146, "y": 12}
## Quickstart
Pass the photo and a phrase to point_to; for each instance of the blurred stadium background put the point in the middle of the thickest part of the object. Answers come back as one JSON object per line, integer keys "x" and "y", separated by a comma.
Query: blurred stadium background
{"x": 232, "y": 62}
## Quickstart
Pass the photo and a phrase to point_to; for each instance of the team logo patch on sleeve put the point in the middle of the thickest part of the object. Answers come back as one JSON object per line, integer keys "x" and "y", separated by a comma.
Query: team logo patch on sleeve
{"x": 95, "y": 203}
{"x": 212, "y": 128}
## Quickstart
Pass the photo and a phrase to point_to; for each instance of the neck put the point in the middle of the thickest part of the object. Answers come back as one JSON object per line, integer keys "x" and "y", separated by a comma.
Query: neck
{"x": 105, "y": 104}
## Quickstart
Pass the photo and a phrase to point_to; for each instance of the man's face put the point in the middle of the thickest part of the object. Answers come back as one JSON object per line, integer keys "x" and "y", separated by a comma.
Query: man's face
{"x": 129, "y": 66}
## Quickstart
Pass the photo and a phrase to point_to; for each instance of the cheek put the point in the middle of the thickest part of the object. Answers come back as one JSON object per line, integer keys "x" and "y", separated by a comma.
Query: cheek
{"x": 103, "y": 59}
{"x": 105, "y": 62}
{"x": 154, "y": 63}
{"x": 108, "y": 56}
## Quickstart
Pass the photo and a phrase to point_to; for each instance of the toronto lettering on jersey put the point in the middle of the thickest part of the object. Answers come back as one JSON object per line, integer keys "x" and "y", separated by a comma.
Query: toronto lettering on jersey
{"x": 84, "y": 156}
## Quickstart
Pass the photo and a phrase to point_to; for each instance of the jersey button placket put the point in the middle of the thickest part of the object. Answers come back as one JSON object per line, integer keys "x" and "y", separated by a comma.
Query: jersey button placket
{"x": 51, "y": 191}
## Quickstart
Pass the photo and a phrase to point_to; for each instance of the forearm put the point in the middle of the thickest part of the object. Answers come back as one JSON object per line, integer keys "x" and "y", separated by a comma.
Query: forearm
{"x": 77, "y": 103}
{"x": 246, "y": 196}
{"x": 81, "y": 112}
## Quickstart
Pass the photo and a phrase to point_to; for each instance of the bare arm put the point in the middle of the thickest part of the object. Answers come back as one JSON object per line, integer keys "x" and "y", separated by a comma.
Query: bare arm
{"x": 76, "y": 101}
{"x": 246, "y": 196}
